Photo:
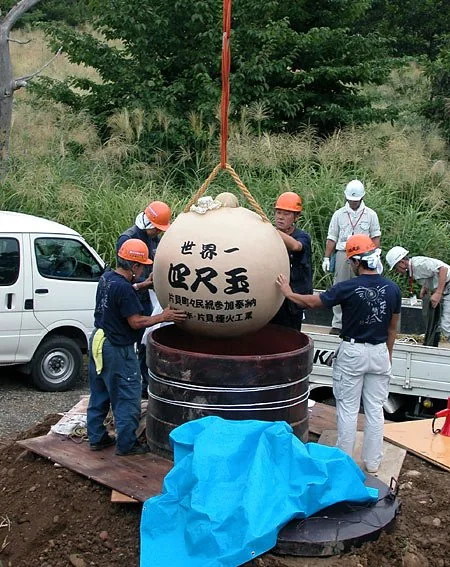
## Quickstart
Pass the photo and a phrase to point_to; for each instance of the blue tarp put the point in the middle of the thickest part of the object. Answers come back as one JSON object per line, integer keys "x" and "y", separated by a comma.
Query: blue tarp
{"x": 234, "y": 485}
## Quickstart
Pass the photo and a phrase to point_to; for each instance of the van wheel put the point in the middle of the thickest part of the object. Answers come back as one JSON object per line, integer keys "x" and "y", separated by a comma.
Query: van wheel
{"x": 56, "y": 364}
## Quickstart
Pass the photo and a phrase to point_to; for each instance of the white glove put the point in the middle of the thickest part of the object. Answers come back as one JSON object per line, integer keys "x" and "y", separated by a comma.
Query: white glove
{"x": 326, "y": 265}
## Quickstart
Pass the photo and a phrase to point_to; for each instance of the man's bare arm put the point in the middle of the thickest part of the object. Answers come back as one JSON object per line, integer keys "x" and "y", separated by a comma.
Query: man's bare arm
{"x": 392, "y": 333}
{"x": 291, "y": 244}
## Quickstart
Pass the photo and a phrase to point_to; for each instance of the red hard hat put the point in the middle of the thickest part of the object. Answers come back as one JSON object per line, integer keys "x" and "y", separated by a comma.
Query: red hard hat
{"x": 289, "y": 201}
{"x": 158, "y": 213}
{"x": 134, "y": 250}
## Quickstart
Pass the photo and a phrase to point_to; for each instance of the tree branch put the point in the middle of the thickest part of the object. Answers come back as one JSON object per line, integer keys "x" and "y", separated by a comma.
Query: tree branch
{"x": 19, "y": 41}
{"x": 22, "y": 81}
{"x": 16, "y": 12}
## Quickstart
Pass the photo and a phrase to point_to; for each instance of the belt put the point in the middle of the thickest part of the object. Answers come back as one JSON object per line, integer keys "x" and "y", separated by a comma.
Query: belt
{"x": 358, "y": 341}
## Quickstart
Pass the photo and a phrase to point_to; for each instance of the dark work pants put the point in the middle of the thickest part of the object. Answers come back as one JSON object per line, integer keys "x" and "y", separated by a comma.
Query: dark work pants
{"x": 142, "y": 352}
{"x": 118, "y": 385}
{"x": 289, "y": 315}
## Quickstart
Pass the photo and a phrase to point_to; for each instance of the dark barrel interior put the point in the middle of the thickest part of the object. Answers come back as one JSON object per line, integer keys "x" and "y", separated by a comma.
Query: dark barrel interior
{"x": 263, "y": 375}
{"x": 270, "y": 340}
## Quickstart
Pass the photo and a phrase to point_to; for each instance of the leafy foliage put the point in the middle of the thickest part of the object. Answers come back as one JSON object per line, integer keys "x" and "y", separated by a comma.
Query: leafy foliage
{"x": 438, "y": 107}
{"x": 72, "y": 12}
{"x": 297, "y": 62}
{"x": 418, "y": 27}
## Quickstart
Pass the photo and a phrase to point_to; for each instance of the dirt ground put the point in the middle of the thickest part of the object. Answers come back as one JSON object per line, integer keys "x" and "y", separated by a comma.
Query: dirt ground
{"x": 52, "y": 517}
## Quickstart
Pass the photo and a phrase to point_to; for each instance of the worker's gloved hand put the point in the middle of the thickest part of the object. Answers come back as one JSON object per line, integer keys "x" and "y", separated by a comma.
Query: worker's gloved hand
{"x": 326, "y": 265}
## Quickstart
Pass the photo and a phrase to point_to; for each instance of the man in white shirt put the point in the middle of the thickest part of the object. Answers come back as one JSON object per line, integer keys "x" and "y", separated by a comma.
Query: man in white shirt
{"x": 353, "y": 218}
{"x": 433, "y": 275}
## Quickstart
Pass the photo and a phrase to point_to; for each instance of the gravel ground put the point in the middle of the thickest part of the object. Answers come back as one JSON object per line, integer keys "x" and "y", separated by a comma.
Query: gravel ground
{"x": 22, "y": 405}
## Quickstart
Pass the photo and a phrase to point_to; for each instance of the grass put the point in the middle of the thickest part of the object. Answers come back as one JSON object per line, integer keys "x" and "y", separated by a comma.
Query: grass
{"x": 34, "y": 54}
{"x": 59, "y": 169}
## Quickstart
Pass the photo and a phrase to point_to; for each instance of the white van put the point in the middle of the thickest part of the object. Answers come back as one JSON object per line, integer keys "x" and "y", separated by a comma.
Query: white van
{"x": 48, "y": 281}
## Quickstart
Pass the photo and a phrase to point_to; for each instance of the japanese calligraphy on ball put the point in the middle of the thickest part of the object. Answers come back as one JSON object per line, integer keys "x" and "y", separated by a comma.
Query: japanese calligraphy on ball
{"x": 221, "y": 267}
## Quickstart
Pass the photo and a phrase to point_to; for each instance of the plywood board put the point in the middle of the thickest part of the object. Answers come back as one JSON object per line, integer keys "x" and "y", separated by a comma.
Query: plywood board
{"x": 138, "y": 476}
{"x": 393, "y": 456}
{"x": 119, "y": 498}
{"x": 417, "y": 438}
{"x": 322, "y": 417}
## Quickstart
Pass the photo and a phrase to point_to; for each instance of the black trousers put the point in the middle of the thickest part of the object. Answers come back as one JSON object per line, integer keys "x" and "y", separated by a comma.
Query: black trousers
{"x": 289, "y": 315}
{"x": 142, "y": 352}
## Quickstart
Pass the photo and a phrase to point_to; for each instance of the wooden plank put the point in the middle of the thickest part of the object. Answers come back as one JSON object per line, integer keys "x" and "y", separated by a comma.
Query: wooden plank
{"x": 417, "y": 438}
{"x": 391, "y": 464}
{"x": 322, "y": 417}
{"x": 138, "y": 476}
{"x": 119, "y": 498}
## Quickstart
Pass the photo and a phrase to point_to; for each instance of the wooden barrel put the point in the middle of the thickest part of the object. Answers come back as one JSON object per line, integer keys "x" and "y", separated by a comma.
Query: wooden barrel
{"x": 260, "y": 376}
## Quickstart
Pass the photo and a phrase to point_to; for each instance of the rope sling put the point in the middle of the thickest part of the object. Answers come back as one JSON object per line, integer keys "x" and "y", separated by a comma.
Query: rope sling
{"x": 224, "y": 108}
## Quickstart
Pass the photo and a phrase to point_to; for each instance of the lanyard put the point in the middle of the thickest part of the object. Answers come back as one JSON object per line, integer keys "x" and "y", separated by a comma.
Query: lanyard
{"x": 411, "y": 279}
{"x": 357, "y": 221}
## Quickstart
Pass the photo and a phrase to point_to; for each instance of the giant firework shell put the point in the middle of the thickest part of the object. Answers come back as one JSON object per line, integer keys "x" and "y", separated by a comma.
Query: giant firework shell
{"x": 221, "y": 268}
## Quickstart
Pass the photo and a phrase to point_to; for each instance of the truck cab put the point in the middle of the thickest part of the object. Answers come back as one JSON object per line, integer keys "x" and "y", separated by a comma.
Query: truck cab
{"x": 48, "y": 282}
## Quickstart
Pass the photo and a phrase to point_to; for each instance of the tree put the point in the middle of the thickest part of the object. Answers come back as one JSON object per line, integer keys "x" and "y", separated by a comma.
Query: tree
{"x": 7, "y": 84}
{"x": 418, "y": 27}
{"x": 438, "y": 107}
{"x": 73, "y": 12}
{"x": 297, "y": 60}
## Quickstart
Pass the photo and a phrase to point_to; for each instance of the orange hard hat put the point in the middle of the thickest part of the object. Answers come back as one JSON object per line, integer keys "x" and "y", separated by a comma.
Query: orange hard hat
{"x": 134, "y": 250}
{"x": 289, "y": 201}
{"x": 359, "y": 245}
{"x": 158, "y": 213}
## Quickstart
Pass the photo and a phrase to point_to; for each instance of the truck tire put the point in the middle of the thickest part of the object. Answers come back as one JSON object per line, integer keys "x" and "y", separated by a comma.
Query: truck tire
{"x": 56, "y": 364}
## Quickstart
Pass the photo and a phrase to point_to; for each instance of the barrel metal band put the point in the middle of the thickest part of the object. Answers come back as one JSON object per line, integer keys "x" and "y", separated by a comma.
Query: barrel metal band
{"x": 194, "y": 387}
{"x": 236, "y": 407}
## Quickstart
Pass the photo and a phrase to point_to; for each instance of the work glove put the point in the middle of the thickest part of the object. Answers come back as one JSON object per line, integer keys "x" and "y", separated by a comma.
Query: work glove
{"x": 326, "y": 265}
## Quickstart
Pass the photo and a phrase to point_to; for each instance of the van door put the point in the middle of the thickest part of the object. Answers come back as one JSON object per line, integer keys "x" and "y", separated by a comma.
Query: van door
{"x": 11, "y": 295}
{"x": 65, "y": 276}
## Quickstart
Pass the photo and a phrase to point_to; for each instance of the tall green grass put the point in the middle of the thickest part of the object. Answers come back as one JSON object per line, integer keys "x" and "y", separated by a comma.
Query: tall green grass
{"x": 60, "y": 170}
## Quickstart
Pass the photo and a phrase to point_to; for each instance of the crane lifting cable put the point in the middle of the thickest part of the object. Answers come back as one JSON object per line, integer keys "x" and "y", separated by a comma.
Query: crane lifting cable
{"x": 224, "y": 107}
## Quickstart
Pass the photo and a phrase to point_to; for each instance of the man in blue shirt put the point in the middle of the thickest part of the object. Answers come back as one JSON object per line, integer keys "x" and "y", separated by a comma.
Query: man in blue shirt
{"x": 370, "y": 310}
{"x": 298, "y": 243}
{"x": 147, "y": 227}
{"x": 114, "y": 376}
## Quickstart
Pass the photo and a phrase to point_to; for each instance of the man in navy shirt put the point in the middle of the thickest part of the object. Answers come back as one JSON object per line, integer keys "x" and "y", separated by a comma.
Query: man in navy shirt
{"x": 370, "y": 310}
{"x": 298, "y": 243}
{"x": 147, "y": 227}
{"x": 114, "y": 376}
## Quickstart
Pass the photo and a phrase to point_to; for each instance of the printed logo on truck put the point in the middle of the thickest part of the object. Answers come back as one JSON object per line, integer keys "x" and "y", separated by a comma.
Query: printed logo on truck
{"x": 323, "y": 356}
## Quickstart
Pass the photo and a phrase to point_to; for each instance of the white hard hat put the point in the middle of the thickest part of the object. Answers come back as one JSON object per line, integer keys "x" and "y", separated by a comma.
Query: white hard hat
{"x": 354, "y": 191}
{"x": 395, "y": 255}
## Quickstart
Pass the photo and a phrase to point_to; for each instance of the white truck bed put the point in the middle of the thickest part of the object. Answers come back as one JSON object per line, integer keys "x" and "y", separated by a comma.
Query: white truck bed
{"x": 417, "y": 370}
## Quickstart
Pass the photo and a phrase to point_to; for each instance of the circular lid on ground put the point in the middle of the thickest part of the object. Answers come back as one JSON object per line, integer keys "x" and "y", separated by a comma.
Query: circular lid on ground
{"x": 337, "y": 528}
